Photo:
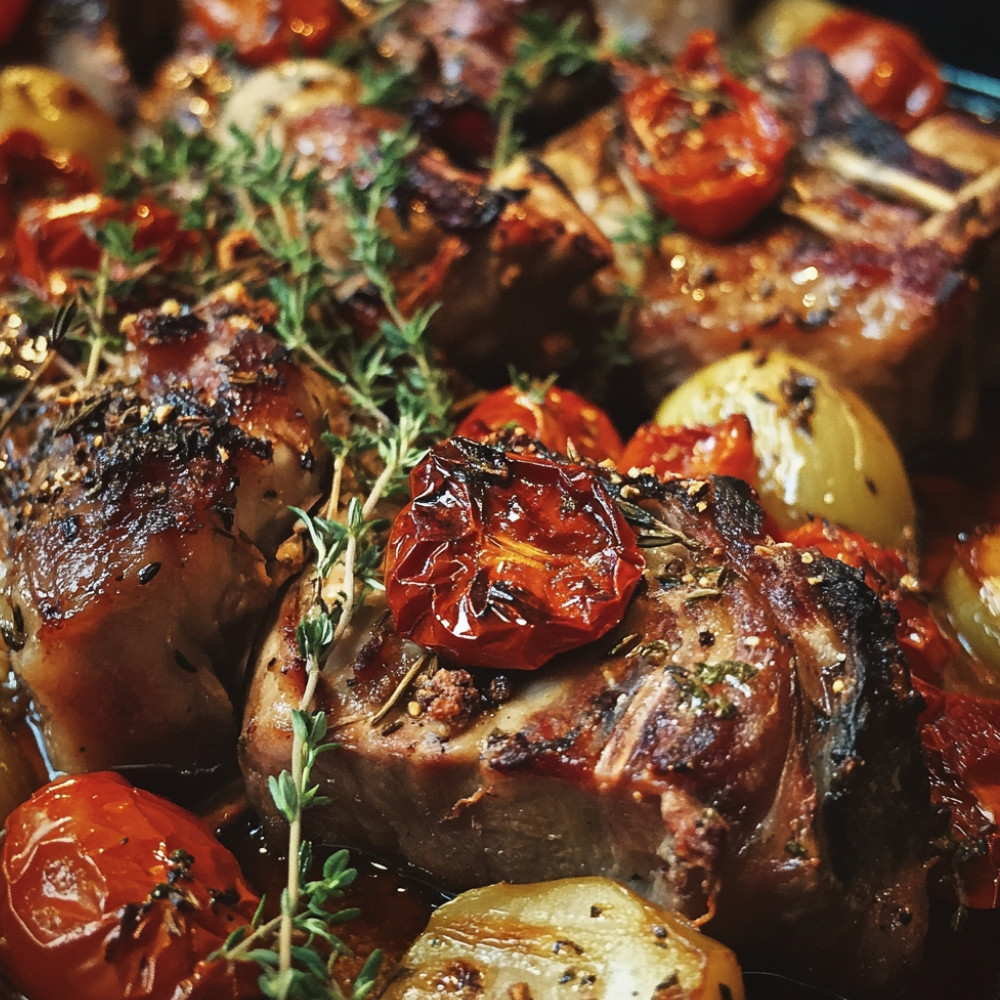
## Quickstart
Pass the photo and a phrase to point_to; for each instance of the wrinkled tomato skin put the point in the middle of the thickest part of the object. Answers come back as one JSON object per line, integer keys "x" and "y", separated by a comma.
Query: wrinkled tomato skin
{"x": 77, "y": 869}
{"x": 54, "y": 237}
{"x": 961, "y": 739}
{"x": 721, "y": 449}
{"x": 29, "y": 170}
{"x": 885, "y": 64}
{"x": 267, "y": 31}
{"x": 707, "y": 149}
{"x": 506, "y": 560}
{"x": 555, "y": 417}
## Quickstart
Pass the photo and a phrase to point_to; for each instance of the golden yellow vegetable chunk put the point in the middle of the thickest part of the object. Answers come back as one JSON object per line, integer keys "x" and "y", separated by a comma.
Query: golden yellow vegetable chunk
{"x": 972, "y": 592}
{"x": 821, "y": 450}
{"x": 582, "y": 939}
{"x": 57, "y": 110}
{"x": 779, "y": 27}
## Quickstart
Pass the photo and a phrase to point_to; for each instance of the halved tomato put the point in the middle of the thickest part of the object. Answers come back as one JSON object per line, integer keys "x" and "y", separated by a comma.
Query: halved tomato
{"x": 961, "y": 738}
{"x": 56, "y": 237}
{"x": 555, "y": 417}
{"x": 505, "y": 560}
{"x": 885, "y": 64}
{"x": 722, "y": 449}
{"x": 707, "y": 148}
{"x": 266, "y": 31}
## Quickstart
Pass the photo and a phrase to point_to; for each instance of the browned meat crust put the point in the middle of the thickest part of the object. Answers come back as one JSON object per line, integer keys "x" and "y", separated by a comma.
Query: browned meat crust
{"x": 507, "y": 265}
{"x": 139, "y": 551}
{"x": 893, "y": 324}
{"x": 742, "y": 746}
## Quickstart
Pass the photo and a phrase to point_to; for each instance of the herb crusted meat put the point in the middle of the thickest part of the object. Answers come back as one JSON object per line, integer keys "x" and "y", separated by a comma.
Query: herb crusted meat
{"x": 742, "y": 746}
{"x": 544, "y": 666}
{"x": 143, "y": 532}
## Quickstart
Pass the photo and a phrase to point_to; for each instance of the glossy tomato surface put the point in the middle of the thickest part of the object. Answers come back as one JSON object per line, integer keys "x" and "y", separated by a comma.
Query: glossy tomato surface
{"x": 107, "y": 891}
{"x": 961, "y": 738}
{"x": 885, "y": 64}
{"x": 30, "y": 170}
{"x": 505, "y": 560}
{"x": 708, "y": 150}
{"x": 558, "y": 418}
{"x": 55, "y": 237}
{"x": 721, "y": 449}
{"x": 266, "y": 31}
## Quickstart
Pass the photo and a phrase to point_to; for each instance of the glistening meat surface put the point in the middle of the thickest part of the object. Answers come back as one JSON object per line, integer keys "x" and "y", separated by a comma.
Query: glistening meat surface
{"x": 148, "y": 512}
{"x": 742, "y": 746}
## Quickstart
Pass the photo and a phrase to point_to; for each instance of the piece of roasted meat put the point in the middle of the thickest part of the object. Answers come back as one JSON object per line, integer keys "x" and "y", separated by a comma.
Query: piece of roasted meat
{"x": 742, "y": 745}
{"x": 507, "y": 265}
{"x": 144, "y": 514}
{"x": 865, "y": 262}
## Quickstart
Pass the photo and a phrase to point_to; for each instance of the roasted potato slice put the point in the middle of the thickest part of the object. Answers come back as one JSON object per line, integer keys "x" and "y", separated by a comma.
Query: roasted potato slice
{"x": 585, "y": 938}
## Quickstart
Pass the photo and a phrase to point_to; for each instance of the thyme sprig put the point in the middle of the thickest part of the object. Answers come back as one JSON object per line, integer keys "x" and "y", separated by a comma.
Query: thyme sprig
{"x": 256, "y": 191}
{"x": 645, "y": 229}
{"x": 545, "y": 49}
{"x": 394, "y": 367}
{"x": 122, "y": 266}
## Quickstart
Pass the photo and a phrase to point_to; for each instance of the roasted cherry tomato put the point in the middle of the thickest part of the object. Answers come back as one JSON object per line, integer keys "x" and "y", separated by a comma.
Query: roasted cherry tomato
{"x": 722, "y": 449}
{"x": 555, "y": 417}
{"x": 54, "y": 238}
{"x": 30, "y": 170}
{"x": 266, "y": 31}
{"x": 961, "y": 738}
{"x": 927, "y": 647}
{"x": 109, "y": 891}
{"x": 707, "y": 149}
{"x": 504, "y": 560}
{"x": 11, "y": 14}
{"x": 884, "y": 63}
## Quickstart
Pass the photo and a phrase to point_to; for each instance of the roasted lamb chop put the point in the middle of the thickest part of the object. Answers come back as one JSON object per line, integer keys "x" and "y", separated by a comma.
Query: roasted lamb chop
{"x": 865, "y": 264}
{"x": 143, "y": 522}
{"x": 506, "y": 265}
{"x": 741, "y": 746}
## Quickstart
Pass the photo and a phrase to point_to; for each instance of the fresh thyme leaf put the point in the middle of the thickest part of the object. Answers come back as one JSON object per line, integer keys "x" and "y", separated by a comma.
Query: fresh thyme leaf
{"x": 645, "y": 229}
{"x": 285, "y": 794}
{"x": 257, "y": 193}
{"x": 545, "y": 49}
{"x": 117, "y": 239}
{"x": 385, "y": 84}
{"x": 695, "y": 688}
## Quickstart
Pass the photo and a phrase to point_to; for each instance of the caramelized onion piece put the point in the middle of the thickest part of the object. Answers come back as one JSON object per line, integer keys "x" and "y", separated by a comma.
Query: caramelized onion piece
{"x": 575, "y": 937}
{"x": 821, "y": 450}
{"x": 972, "y": 592}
